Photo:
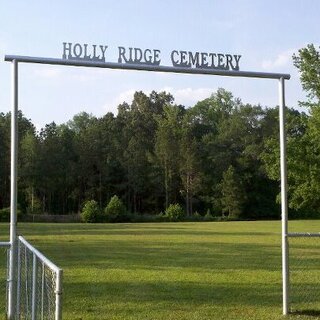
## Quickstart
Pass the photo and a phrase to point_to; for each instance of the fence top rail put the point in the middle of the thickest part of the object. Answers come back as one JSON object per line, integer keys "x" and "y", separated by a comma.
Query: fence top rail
{"x": 4, "y": 244}
{"x": 44, "y": 259}
{"x": 303, "y": 235}
{"x": 145, "y": 67}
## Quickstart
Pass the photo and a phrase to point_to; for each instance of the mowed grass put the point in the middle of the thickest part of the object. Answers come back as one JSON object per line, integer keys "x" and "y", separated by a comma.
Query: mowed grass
{"x": 214, "y": 270}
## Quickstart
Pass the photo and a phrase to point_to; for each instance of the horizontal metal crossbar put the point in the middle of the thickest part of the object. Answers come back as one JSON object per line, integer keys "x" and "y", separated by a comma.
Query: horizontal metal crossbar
{"x": 303, "y": 235}
{"x": 145, "y": 67}
{"x": 4, "y": 244}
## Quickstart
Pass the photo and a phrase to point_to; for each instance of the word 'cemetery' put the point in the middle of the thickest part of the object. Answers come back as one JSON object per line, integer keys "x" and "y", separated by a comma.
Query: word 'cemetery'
{"x": 179, "y": 58}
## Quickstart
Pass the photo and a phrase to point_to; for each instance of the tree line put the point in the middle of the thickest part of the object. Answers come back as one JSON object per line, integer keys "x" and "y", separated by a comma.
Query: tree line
{"x": 220, "y": 156}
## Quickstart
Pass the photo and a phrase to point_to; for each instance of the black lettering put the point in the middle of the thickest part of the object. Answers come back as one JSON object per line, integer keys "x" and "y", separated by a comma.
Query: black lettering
{"x": 103, "y": 51}
{"x": 204, "y": 62}
{"x": 237, "y": 58}
{"x": 122, "y": 52}
{"x": 86, "y": 56}
{"x": 212, "y": 56}
{"x": 194, "y": 59}
{"x": 229, "y": 62}
{"x": 156, "y": 57}
{"x": 183, "y": 61}
{"x": 175, "y": 63}
{"x": 147, "y": 56}
{"x": 221, "y": 65}
{"x": 130, "y": 56}
{"x": 136, "y": 52}
{"x": 77, "y": 50}
{"x": 67, "y": 48}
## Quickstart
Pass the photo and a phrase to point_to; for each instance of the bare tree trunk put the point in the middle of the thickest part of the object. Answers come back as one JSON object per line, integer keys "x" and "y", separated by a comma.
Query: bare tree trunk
{"x": 166, "y": 185}
{"x": 135, "y": 202}
{"x": 100, "y": 190}
{"x": 32, "y": 199}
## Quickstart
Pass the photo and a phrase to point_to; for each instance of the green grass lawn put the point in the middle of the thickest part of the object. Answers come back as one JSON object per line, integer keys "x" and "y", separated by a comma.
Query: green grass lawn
{"x": 214, "y": 270}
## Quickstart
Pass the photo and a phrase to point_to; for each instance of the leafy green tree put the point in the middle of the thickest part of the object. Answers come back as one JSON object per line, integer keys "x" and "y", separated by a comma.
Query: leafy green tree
{"x": 137, "y": 127}
{"x": 299, "y": 144}
{"x": 208, "y": 117}
{"x": 233, "y": 196}
{"x": 138, "y": 137}
{"x": 25, "y": 127}
{"x": 90, "y": 211}
{"x": 190, "y": 172}
{"x": 115, "y": 211}
{"x": 303, "y": 140}
{"x": 308, "y": 63}
{"x": 29, "y": 171}
{"x": 167, "y": 149}
{"x": 4, "y": 160}
{"x": 174, "y": 212}
{"x": 154, "y": 153}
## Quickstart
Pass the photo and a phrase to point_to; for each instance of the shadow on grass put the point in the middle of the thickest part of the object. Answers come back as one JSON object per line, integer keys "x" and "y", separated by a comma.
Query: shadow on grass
{"x": 147, "y": 229}
{"x": 176, "y": 293}
{"x": 309, "y": 313}
{"x": 131, "y": 255}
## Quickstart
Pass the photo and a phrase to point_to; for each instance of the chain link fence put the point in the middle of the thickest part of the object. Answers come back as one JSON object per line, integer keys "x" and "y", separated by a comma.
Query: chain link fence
{"x": 4, "y": 259}
{"x": 39, "y": 285}
{"x": 304, "y": 262}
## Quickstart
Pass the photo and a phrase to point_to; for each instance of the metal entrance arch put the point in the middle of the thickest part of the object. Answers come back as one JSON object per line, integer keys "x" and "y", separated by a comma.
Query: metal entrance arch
{"x": 15, "y": 60}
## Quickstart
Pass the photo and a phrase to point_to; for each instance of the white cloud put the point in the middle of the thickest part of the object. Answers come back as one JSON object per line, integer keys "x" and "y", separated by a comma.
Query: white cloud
{"x": 283, "y": 59}
{"x": 126, "y": 96}
{"x": 47, "y": 72}
{"x": 190, "y": 96}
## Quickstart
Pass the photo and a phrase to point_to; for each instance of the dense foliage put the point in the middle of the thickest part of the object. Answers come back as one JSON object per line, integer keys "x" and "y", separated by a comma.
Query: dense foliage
{"x": 220, "y": 155}
{"x": 174, "y": 212}
{"x": 90, "y": 211}
{"x": 115, "y": 211}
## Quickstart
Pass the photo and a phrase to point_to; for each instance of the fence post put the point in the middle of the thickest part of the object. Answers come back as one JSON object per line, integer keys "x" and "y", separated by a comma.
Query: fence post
{"x": 284, "y": 204}
{"x": 18, "y": 281}
{"x": 59, "y": 295}
{"x": 42, "y": 291}
{"x": 34, "y": 288}
{"x": 13, "y": 201}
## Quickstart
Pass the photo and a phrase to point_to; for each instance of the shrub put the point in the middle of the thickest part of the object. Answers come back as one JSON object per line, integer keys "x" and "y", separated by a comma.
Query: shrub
{"x": 116, "y": 211}
{"x": 5, "y": 214}
{"x": 197, "y": 216}
{"x": 208, "y": 216}
{"x": 90, "y": 211}
{"x": 174, "y": 212}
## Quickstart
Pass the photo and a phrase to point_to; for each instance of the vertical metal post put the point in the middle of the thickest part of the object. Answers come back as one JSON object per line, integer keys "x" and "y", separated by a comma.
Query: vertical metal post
{"x": 58, "y": 310}
{"x": 34, "y": 289}
{"x": 18, "y": 281}
{"x": 284, "y": 204}
{"x": 13, "y": 202}
{"x": 42, "y": 291}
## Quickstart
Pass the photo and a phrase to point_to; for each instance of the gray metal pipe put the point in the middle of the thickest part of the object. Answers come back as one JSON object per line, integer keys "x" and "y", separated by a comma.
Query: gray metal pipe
{"x": 284, "y": 200}
{"x": 303, "y": 235}
{"x": 5, "y": 244}
{"x": 145, "y": 67}
{"x": 14, "y": 194}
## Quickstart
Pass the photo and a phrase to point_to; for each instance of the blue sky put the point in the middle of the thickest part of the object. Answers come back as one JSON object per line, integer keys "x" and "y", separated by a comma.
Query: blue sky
{"x": 265, "y": 33}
